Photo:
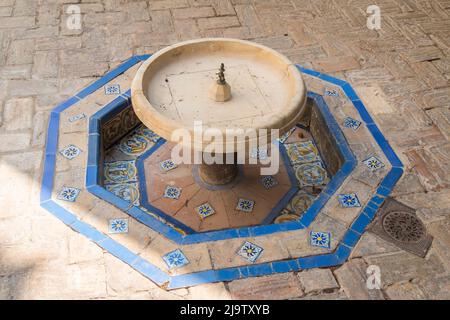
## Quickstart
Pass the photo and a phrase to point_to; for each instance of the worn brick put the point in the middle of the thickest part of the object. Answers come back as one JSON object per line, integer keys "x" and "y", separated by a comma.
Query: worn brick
{"x": 18, "y": 113}
{"x": 218, "y": 22}
{"x": 274, "y": 287}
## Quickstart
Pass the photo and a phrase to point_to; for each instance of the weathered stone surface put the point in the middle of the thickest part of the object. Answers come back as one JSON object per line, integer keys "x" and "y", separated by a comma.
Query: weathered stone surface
{"x": 18, "y": 113}
{"x": 317, "y": 280}
{"x": 274, "y": 287}
{"x": 405, "y": 291}
{"x": 352, "y": 278}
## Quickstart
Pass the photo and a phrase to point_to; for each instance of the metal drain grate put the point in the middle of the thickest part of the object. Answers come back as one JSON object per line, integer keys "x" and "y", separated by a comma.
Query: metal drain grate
{"x": 398, "y": 224}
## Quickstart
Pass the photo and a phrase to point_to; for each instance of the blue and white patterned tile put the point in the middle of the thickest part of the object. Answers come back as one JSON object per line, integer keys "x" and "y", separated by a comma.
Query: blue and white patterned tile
{"x": 311, "y": 174}
{"x": 126, "y": 191}
{"x": 77, "y": 117}
{"x": 331, "y": 92}
{"x": 250, "y": 251}
{"x": 68, "y": 194}
{"x": 112, "y": 89}
{"x": 373, "y": 163}
{"x": 167, "y": 165}
{"x": 320, "y": 239}
{"x": 133, "y": 145}
{"x": 175, "y": 259}
{"x": 172, "y": 192}
{"x": 269, "y": 182}
{"x": 118, "y": 172}
{"x": 245, "y": 205}
{"x": 70, "y": 152}
{"x": 349, "y": 200}
{"x": 352, "y": 123}
{"x": 205, "y": 210}
{"x": 118, "y": 226}
{"x": 302, "y": 152}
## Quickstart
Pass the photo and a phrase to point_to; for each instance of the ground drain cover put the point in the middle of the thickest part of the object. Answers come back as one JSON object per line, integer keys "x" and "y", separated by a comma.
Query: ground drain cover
{"x": 398, "y": 224}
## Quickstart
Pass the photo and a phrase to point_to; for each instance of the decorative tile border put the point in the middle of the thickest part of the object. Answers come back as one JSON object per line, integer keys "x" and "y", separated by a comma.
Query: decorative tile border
{"x": 337, "y": 257}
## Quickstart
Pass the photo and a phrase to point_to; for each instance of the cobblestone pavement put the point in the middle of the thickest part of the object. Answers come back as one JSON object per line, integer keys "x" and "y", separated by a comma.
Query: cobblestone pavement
{"x": 401, "y": 71}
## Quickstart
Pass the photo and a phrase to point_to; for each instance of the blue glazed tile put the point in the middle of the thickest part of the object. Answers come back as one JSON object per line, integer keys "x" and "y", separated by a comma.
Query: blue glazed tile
{"x": 392, "y": 178}
{"x": 331, "y": 92}
{"x": 351, "y": 123}
{"x": 228, "y": 274}
{"x": 66, "y": 104}
{"x": 349, "y": 200}
{"x": 365, "y": 116}
{"x": 320, "y": 239}
{"x": 360, "y": 224}
{"x": 373, "y": 163}
{"x": 112, "y": 89}
{"x": 77, "y": 117}
{"x": 250, "y": 251}
{"x": 384, "y": 145}
{"x": 94, "y": 125}
{"x": 167, "y": 165}
{"x": 88, "y": 231}
{"x": 70, "y": 152}
{"x": 47, "y": 177}
{"x": 92, "y": 176}
{"x": 245, "y": 205}
{"x": 350, "y": 238}
{"x": 269, "y": 182}
{"x": 205, "y": 210}
{"x": 117, "y": 250}
{"x": 109, "y": 197}
{"x": 52, "y": 134}
{"x": 259, "y": 270}
{"x": 192, "y": 279}
{"x": 175, "y": 259}
{"x": 94, "y": 144}
{"x": 68, "y": 194}
{"x": 342, "y": 253}
{"x": 351, "y": 94}
{"x": 172, "y": 192}
{"x": 150, "y": 271}
{"x": 59, "y": 212}
{"x": 118, "y": 226}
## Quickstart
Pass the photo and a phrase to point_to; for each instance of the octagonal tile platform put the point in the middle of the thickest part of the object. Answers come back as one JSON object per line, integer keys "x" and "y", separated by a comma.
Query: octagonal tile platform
{"x": 323, "y": 236}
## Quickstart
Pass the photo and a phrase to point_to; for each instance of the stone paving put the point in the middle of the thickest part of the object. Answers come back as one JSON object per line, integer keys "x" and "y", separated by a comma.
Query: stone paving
{"x": 401, "y": 72}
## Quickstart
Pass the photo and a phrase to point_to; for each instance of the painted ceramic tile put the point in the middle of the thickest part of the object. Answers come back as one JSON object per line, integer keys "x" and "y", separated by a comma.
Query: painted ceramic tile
{"x": 120, "y": 172}
{"x": 126, "y": 191}
{"x": 349, "y": 200}
{"x": 331, "y": 92}
{"x": 118, "y": 226}
{"x": 373, "y": 163}
{"x": 352, "y": 123}
{"x": 70, "y": 152}
{"x": 175, "y": 259}
{"x": 245, "y": 205}
{"x": 167, "y": 165}
{"x": 269, "y": 182}
{"x": 302, "y": 152}
{"x": 320, "y": 239}
{"x": 300, "y": 202}
{"x": 112, "y": 89}
{"x": 205, "y": 210}
{"x": 77, "y": 117}
{"x": 133, "y": 145}
{"x": 148, "y": 134}
{"x": 172, "y": 192}
{"x": 250, "y": 251}
{"x": 311, "y": 174}
{"x": 68, "y": 194}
